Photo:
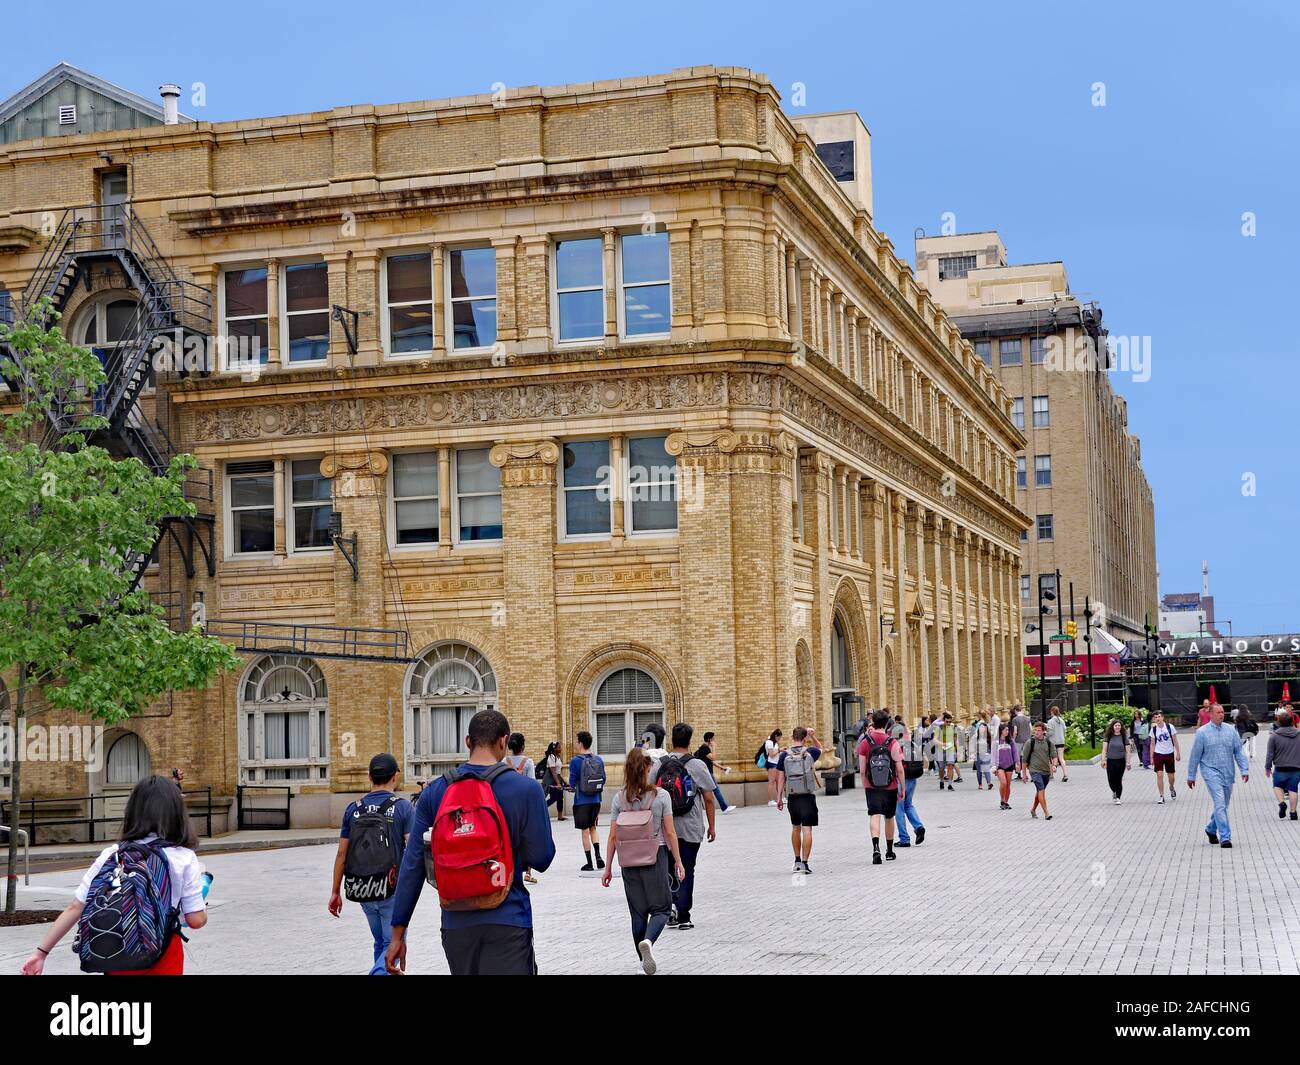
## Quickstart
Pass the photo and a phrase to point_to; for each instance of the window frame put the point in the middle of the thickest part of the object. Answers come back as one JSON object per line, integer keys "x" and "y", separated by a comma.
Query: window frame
{"x": 629, "y": 710}
{"x": 450, "y": 301}
{"x": 1018, "y": 415}
{"x": 1046, "y": 412}
{"x": 556, "y": 291}
{"x": 988, "y": 350}
{"x": 224, "y": 319}
{"x": 455, "y": 501}
{"x": 622, "y": 286}
{"x": 625, "y": 473}
{"x": 1002, "y": 349}
{"x": 1037, "y": 350}
{"x": 1039, "y": 482}
{"x": 561, "y": 517}
{"x": 1022, "y": 472}
{"x": 285, "y": 314}
{"x": 393, "y": 499}
{"x": 253, "y": 764}
{"x": 228, "y": 510}
{"x": 1038, "y": 528}
{"x": 292, "y": 507}
{"x": 387, "y": 325}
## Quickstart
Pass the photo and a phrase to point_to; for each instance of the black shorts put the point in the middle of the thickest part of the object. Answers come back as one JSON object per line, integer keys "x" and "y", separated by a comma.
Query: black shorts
{"x": 883, "y": 801}
{"x": 803, "y": 810}
{"x": 585, "y": 815}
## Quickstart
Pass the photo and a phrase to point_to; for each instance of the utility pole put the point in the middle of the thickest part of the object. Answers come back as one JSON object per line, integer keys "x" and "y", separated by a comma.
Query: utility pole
{"x": 1092, "y": 687}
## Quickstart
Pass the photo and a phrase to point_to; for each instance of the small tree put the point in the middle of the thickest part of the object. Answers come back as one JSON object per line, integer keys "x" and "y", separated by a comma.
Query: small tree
{"x": 74, "y": 634}
{"x": 1033, "y": 687}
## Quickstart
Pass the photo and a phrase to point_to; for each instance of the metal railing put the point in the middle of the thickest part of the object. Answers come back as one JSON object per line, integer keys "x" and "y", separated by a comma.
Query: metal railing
{"x": 246, "y": 815}
{"x": 30, "y": 818}
{"x": 323, "y": 641}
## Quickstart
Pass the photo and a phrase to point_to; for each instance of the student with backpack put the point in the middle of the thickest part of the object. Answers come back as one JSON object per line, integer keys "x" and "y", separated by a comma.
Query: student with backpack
{"x": 129, "y": 906}
{"x": 880, "y": 761}
{"x": 1006, "y": 758}
{"x": 1165, "y": 755}
{"x": 687, "y": 782}
{"x": 1039, "y": 759}
{"x": 643, "y": 836}
{"x": 524, "y": 766}
{"x": 550, "y": 774}
{"x": 796, "y": 775}
{"x": 913, "y": 770}
{"x": 479, "y": 826}
{"x": 705, "y": 755}
{"x": 371, "y": 843}
{"x": 767, "y": 759}
{"x": 587, "y": 779}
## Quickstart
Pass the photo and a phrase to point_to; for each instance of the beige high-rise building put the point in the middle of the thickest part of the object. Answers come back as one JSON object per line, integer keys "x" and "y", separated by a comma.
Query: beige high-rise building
{"x": 602, "y": 404}
{"x": 1080, "y": 476}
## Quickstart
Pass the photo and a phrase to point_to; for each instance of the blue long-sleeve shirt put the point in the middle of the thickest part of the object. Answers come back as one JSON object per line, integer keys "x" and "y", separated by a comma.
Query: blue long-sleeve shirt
{"x": 524, "y": 805}
{"x": 1217, "y": 748}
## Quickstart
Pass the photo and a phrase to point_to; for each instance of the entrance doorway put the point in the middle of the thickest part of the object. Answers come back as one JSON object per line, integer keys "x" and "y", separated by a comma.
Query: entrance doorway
{"x": 847, "y": 706}
{"x": 112, "y": 198}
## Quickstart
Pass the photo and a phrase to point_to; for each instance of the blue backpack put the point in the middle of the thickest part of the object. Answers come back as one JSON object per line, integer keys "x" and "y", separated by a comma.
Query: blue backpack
{"x": 128, "y": 919}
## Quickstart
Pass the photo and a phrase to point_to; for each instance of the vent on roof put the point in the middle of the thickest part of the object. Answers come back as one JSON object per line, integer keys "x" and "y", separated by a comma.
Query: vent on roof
{"x": 68, "y": 115}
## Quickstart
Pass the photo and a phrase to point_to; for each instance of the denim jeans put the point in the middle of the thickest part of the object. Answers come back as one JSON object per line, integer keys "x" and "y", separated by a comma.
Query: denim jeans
{"x": 717, "y": 794}
{"x": 907, "y": 812}
{"x": 685, "y": 893}
{"x": 380, "y": 917}
{"x": 1221, "y": 794}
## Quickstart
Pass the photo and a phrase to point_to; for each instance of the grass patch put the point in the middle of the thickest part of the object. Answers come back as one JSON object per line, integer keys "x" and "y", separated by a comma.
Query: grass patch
{"x": 1081, "y": 754}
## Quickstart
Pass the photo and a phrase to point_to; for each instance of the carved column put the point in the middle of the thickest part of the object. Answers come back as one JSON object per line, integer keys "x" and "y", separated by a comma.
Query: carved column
{"x": 965, "y": 545}
{"x": 903, "y": 642}
{"x": 852, "y": 339}
{"x": 938, "y": 671}
{"x": 528, "y": 502}
{"x": 611, "y": 288}
{"x": 439, "y": 301}
{"x": 875, "y": 504}
{"x": 444, "y": 501}
{"x": 835, "y": 329}
{"x": 617, "y": 444}
{"x": 274, "y": 358}
{"x": 855, "y": 512}
{"x": 282, "y": 515}
{"x": 951, "y": 541}
{"x": 917, "y": 518}
{"x": 793, "y": 312}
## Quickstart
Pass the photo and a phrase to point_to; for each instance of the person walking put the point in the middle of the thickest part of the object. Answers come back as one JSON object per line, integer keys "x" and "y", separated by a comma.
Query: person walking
{"x": 552, "y": 779}
{"x": 1216, "y": 751}
{"x": 1203, "y": 714}
{"x": 925, "y": 729}
{"x": 913, "y": 770}
{"x": 649, "y": 854}
{"x": 772, "y": 755}
{"x": 880, "y": 761}
{"x": 1165, "y": 755}
{"x": 1021, "y": 730}
{"x": 1140, "y": 732}
{"x": 587, "y": 782}
{"x": 705, "y": 755}
{"x": 1117, "y": 756}
{"x": 946, "y": 738}
{"x": 1282, "y": 762}
{"x": 981, "y": 743}
{"x": 523, "y": 765}
{"x": 796, "y": 773}
{"x": 1056, "y": 734}
{"x": 1039, "y": 760}
{"x": 156, "y": 830}
{"x": 1248, "y": 729}
{"x": 372, "y": 840}
{"x": 1006, "y": 756}
{"x": 687, "y": 781}
{"x": 487, "y": 917}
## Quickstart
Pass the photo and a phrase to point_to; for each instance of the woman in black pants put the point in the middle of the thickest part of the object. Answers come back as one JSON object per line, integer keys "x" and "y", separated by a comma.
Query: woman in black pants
{"x": 553, "y": 779}
{"x": 1116, "y": 756}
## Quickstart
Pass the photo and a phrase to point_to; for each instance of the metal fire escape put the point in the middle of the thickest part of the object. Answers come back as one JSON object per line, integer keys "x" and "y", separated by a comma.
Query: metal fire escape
{"x": 97, "y": 235}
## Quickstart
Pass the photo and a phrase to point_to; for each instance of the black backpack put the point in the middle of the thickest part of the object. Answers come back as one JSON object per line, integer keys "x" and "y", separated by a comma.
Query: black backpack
{"x": 880, "y": 764}
{"x": 374, "y": 853}
{"x": 676, "y": 779}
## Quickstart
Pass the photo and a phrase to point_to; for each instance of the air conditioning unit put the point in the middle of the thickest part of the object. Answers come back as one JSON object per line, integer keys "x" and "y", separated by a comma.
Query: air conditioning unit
{"x": 68, "y": 115}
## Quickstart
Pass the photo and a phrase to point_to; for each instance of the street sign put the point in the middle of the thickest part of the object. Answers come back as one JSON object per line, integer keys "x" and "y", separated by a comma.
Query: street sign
{"x": 1059, "y": 638}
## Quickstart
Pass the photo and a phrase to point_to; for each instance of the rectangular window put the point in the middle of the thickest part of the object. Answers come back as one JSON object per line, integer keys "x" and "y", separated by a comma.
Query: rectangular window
{"x": 652, "y": 486}
{"x": 415, "y": 498}
{"x": 306, "y": 325}
{"x": 587, "y": 500}
{"x": 478, "y": 497}
{"x": 250, "y": 507}
{"x": 1009, "y": 352}
{"x": 580, "y": 289}
{"x": 6, "y": 307}
{"x": 1042, "y": 471}
{"x": 1024, "y": 536}
{"x": 1018, "y": 412}
{"x": 472, "y": 296}
{"x": 1037, "y": 350}
{"x": 1024, "y": 586}
{"x": 1042, "y": 415}
{"x": 1021, "y": 480}
{"x": 408, "y": 281}
{"x": 984, "y": 349}
{"x": 1044, "y": 527}
{"x": 952, "y": 267}
{"x": 645, "y": 299}
{"x": 310, "y": 500}
{"x": 1047, "y": 583}
{"x": 245, "y": 328}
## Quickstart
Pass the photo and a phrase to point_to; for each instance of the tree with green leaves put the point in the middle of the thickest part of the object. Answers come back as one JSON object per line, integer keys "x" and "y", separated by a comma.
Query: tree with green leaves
{"x": 1033, "y": 688}
{"x": 76, "y": 634}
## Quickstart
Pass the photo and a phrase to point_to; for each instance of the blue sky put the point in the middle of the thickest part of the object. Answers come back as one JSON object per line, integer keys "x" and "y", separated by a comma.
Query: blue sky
{"x": 980, "y": 109}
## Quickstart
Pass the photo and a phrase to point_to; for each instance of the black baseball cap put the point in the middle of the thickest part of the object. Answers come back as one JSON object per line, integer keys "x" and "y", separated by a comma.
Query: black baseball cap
{"x": 383, "y": 767}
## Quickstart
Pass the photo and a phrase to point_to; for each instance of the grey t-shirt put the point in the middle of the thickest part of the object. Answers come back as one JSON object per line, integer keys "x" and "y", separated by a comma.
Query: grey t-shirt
{"x": 1022, "y": 727}
{"x": 660, "y": 807}
{"x": 1116, "y": 747}
{"x": 694, "y": 826}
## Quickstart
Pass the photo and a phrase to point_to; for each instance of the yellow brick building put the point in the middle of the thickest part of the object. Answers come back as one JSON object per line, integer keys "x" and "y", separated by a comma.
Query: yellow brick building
{"x": 638, "y": 418}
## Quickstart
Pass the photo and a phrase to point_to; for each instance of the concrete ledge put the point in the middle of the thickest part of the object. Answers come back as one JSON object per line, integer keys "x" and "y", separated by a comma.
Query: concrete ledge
{"x": 231, "y": 842}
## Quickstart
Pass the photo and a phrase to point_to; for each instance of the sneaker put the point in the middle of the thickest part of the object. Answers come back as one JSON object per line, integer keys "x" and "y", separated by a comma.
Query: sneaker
{"x": 798, "y": 866}
{"x": 1173, "y": 794}
{"x": 1281, "y": 809}
{"x": 876, "y": 859}
{"x": 672, "y": 919}
{"x": 600, "y": 863}
{"x": 1047, "y": 817}
{"x": 729, "y": 809}
{"x": 807, "y": 869}
{"x": 1065, "y": 780}
{"x": 1226, "y": 844}
{"x": 646, "y": 951}
{"x": 1212, "y": 837}
{"x": 588, "y": 868}
{"x": 920, "y": 835}
{"x": 903, "y": 843}
{"x": 1118, "y": 802}
{"x": 1293, "y": 817}
{"x": 1160, "y": 801}
{"x": 890, "y": 856}
{"x": 685, "y": 926}
{"x": 1033, "y": 814}
{"x": 771, "y": 802}
{"x": 950, "y": 787}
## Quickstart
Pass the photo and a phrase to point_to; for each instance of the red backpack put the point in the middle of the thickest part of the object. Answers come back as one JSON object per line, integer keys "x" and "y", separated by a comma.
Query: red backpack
{"x": 473, "y": 860}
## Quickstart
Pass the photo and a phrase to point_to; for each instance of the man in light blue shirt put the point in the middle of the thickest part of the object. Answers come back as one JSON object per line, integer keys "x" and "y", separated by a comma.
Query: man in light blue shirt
{"x": 1215, "y": 753}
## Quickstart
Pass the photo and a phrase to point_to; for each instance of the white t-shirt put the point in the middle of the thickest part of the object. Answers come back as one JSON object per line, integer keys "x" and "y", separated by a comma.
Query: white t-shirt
{"x": 1163, "y": 739}
{"x": 187, "y": 876}
{"x": 772, "y": 752}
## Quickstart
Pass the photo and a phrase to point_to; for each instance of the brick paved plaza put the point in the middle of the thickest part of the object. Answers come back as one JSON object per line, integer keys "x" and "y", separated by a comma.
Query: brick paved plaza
{"x": 1129, "y": 889}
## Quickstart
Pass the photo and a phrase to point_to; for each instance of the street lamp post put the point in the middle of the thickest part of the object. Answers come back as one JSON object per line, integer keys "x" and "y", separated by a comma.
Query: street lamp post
{"x": 1092, "y": 687}
{"x": 1044, "y": 597}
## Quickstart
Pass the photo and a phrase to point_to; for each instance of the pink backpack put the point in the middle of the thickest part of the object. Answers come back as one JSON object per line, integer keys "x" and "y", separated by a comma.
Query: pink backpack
{"x": 638, "y": 842}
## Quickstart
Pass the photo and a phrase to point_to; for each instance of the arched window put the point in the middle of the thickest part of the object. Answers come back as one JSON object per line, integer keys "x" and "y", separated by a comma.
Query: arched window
{"x": 841, "y": 664}
{"x": 284, "y": 712}
{"x": 128, "y": 761}
{"x": 448, "y": 684}
{"x": 623, "y": 703}
{"x": 106, "y": 323}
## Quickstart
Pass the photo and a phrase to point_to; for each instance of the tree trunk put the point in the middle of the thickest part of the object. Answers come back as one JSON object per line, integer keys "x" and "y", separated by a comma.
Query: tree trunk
{"x": 16, "y": 720}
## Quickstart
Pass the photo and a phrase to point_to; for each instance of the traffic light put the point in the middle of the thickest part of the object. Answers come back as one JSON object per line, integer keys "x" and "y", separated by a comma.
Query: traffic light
{"x": 1072, "y": 629}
